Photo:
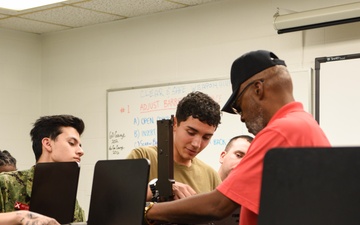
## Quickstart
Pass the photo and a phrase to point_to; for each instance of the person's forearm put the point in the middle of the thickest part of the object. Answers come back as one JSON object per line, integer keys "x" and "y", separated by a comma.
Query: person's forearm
{"x": 195, "y": 209}
{"x": 11, "y": 218}
{"x": 25, "y": 217}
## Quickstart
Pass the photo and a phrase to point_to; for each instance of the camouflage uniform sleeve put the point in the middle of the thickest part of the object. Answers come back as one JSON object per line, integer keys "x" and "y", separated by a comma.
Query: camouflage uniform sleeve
{"x": 13, "y": 188}
{"x": 79, "y": 214}
{"x": 2, "y": 195}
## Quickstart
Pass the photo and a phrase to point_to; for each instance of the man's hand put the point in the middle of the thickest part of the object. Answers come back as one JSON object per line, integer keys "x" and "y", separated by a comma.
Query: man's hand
{"x": 181, "y": 190}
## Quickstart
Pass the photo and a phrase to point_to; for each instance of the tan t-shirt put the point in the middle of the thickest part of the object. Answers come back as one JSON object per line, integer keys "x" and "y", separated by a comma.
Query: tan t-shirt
{"x": 200, "y": 176}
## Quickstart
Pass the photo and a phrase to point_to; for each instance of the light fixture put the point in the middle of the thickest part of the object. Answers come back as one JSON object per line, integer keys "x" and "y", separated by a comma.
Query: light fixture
{"x": 316, "y": 18}
{"x": 19, "y": 5}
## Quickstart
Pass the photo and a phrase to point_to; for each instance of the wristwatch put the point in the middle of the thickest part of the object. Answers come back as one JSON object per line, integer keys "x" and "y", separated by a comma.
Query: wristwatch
{"x": 154, "y": 190}
{"x": 147, "y": 208}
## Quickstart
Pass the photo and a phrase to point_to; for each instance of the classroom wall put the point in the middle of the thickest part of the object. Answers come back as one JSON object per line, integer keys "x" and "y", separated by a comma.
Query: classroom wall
{"x": 20, "y": 92}
{"x": 70, "y": 71}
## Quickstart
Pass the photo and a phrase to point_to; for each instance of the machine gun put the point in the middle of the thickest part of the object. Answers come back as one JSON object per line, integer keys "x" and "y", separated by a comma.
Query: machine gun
{"x": 165, "y": 179}
{"x": 165, "y": 141}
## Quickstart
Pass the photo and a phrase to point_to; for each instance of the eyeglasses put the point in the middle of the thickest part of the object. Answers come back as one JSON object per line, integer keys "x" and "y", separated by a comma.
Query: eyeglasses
{"x": 236, "y": 108}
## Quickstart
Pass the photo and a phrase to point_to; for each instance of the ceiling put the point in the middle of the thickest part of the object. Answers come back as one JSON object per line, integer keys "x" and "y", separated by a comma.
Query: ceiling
{"x": 81, "y": 13}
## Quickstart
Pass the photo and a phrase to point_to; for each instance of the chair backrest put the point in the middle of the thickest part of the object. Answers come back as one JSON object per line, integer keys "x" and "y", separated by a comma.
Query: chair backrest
{"x": 311, "y": 186}
{"x": 118, "y": 192}
{"x": 54, "y": 190}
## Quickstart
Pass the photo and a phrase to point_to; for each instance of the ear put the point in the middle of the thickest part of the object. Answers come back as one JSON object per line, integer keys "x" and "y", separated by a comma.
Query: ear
{"x": 46, "y": 144}
{"x": 222, "y": 155}
{"x": 259, "y": 89}
{"x": 174, "y": 124}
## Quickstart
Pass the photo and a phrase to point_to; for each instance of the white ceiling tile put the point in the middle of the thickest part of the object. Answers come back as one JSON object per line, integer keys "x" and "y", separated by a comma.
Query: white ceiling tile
{"x": 130, "y": 8}
{"x": 195, "y": 2}
{"x": 7, "y": 12}
{"x": 73, "y": 1}
{"x": 12, "y": 12}
{"x": 71, "y": 16}
{"x": 31, "y": 26}
{"x": 78, "y": 13}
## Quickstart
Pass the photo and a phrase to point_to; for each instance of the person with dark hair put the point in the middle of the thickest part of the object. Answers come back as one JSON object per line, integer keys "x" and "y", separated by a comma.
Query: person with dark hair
{"x": 263, "y": 98}
{"x": 7, "y": 161}
{"x": 54, "y": 139}
{"x": 233, "y": 153}
{"x": 47, "y": 130}
{"x": 197, "y": 118}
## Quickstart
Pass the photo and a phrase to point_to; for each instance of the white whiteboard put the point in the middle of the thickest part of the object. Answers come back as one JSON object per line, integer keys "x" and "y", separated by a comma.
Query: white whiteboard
{"x": 339, "y": 101}
{"x": 132, "y": 114}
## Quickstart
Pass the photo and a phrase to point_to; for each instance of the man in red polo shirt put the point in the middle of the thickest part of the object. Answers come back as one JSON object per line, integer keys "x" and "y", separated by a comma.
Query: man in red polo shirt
{"x": 263, "y": 97}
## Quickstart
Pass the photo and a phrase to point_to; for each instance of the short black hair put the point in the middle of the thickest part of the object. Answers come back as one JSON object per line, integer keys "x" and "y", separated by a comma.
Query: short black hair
{"x": 7, "y": 159}
{"x": 50, "y": 127}
{"x": 200, "y": 106}
{"x": 246, "y": 137}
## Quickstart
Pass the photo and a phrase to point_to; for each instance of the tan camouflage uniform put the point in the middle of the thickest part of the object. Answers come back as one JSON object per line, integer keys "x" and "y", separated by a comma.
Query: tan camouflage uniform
{"x": 16, "y": 187}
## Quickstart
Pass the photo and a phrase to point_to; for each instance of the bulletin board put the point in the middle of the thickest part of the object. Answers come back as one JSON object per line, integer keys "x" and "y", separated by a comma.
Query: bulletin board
{"x": 337, "y": 107}
{"x": 132, "y": 113}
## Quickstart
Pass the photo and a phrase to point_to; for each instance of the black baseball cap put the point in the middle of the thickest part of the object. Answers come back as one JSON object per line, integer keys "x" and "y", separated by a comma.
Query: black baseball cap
{"x": 247, "y": 66}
